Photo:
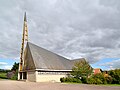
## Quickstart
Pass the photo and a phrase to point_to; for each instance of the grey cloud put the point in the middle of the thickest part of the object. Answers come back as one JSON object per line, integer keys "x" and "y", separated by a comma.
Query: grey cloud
{"x": 71, "y": 28}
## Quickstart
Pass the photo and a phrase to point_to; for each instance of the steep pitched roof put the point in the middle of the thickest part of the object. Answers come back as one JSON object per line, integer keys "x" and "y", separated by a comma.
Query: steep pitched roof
{"x": 43, "y": 59}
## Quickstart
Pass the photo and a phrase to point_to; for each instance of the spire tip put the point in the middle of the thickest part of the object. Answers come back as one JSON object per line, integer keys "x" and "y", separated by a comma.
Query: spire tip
{"x": 25, "y": 19}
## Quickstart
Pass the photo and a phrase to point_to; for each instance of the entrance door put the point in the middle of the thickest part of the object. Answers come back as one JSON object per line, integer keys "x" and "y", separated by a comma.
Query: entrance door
{"x": 20, "y": 75}
{"x": 24, "y": 75}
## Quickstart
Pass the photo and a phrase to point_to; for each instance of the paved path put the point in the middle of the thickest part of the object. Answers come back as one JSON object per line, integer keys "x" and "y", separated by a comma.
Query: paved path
{"x": 20, "y": 85}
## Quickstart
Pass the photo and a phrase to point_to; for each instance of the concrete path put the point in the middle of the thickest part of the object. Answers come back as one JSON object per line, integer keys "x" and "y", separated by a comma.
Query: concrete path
{"x": 20, "y": 85}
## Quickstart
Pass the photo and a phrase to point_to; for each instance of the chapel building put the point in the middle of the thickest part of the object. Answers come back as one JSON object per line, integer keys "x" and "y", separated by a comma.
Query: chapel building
{"x": 40, "y": 65}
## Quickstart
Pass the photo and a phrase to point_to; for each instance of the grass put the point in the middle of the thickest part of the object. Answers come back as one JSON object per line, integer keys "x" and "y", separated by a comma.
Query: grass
{"x": 71, "y": 83}
{"x": 92, "y": 84}
{"x": 110, "y": 84}
{"x": 3, "y": 75}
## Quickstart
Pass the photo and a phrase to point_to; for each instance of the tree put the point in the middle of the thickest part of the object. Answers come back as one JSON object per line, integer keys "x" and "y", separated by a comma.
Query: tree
{"x": 15, "y": 67}
{"x": 99, "y": 78}
{"x": 14, "y": 72}
{"x": 81, "y": 69}
{"x": 115, "y": 74}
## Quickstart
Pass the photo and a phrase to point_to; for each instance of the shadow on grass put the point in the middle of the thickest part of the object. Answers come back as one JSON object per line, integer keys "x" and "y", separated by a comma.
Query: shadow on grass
{"x": 3, "y": 78}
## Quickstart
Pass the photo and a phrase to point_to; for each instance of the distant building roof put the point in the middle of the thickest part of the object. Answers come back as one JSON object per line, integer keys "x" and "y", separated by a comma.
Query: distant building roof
{"x": 40, "y": 58}
{"x": 97, "y": 70}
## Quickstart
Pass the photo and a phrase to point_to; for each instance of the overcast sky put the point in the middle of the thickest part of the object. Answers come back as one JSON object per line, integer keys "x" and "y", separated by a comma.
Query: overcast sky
{"x": 71, "y": 28}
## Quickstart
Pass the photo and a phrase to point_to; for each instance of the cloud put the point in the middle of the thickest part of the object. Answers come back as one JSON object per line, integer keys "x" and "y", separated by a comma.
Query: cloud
{"x": 8, "y": 67}
{"x": 71, "y": 28}
{"x": 111, "y": 65}
{"x": 3, "y": 63}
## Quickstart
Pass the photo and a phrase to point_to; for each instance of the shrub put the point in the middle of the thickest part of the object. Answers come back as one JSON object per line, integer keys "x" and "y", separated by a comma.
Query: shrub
{"x": 97, "y": 79}
{"x": 94, "y": 81}
{"x": 91, "y": 81}
{"x": 10, "y": 74}
{"x": 84, "y": 79}
{"x": 14, "y": 77}
{"x": 62, "y": 79}
{"x": 115, "y": 74}
{"x": 70, "y": 79}
{"x": 108, "y": 79}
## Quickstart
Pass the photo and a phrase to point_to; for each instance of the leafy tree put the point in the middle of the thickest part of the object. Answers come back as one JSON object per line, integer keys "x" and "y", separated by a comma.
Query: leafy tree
{"x": 80, "y": 72}
{"x": 115, "y": 74}
{"x": 14, "y": 72}
{"x": 15, "y": 67}
{"x": 99, "y": 79}
{"x": 81, "y": 69}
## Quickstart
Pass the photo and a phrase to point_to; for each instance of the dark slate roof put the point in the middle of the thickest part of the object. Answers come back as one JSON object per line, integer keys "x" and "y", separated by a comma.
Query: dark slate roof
{"x": 41, "y": 58}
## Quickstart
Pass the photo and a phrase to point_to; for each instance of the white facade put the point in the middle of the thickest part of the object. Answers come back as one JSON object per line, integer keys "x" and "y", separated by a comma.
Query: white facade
{"x": 31, "y": 76}
{"x": 37, "y": 76}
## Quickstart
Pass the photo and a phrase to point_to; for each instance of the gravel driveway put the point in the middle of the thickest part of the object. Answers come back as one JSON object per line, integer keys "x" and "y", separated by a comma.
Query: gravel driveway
{"x": 20, "y": 85}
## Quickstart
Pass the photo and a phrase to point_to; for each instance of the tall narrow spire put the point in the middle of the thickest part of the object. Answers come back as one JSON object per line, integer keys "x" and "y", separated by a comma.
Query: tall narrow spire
{"x": 24, "y": 40}
{"x": 25, "y": 27}
{"x": 25, "y": 19}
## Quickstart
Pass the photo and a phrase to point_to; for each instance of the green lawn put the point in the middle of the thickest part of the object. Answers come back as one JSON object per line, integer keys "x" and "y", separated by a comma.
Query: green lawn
{"x": 3, "y": 75}
{"x": 92, "y": 84}
{"x": 110, "y": 84}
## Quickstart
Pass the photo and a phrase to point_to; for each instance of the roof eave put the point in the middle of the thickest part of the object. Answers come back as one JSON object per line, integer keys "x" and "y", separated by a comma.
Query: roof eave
{"x": 50, "y": 70}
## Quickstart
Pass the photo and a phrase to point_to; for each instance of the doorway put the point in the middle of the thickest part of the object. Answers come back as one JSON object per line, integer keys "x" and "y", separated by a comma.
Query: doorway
{"x": 20, "y": 75}
{"x": 24, "y": 75}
